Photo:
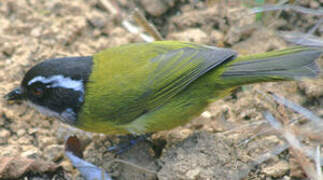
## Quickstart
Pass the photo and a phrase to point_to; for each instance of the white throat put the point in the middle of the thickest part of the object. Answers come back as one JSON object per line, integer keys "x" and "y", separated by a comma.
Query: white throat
{"x": 68, "y": 116}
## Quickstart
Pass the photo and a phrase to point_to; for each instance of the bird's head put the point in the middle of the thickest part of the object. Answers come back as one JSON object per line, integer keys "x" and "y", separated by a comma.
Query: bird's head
{"x": 56, "y": 87}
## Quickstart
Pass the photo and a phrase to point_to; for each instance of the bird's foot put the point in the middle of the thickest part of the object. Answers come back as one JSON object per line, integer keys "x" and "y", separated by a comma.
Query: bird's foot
{"x": 127, "y": 142}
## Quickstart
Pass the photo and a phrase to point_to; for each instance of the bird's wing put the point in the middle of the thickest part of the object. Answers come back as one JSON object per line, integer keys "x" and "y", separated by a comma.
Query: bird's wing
{"x": 178, "y": 68}
{"x": 157, "y": 77}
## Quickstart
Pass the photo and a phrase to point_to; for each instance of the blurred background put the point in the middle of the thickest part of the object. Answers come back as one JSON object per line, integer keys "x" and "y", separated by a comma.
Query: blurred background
{"x": 232, "y": 139}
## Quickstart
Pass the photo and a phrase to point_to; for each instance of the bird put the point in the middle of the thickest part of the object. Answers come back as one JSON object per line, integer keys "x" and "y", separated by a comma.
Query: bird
{"x": 142, "y": 88}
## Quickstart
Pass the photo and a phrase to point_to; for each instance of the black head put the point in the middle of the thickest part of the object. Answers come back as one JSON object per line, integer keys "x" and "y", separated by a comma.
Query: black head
{"x": 56, "y": 87}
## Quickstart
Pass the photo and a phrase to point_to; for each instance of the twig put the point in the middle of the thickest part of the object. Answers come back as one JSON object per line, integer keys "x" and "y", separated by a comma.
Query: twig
{"x": 109, "y": 7}
{"x": 302, "y": 39}
{"x": 242, "y": 127}
{"x": 296, "y": 146}
{"x": 318, "y": 162}
{"x": 148, "y": 27}
{"x": 318, "y": 12}
{"x": 299, "y": 109}
{"x": 306, "y": 165}
{"x": 135, "y": 30}
{"x": 312, "y": 30}
{"x": 276, "y": 151}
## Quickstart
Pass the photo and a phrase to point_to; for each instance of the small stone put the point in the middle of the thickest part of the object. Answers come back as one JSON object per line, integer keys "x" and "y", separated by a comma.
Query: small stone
{"x": 32, "y": 131}
{"x": 277, "y": 170}
{"x": 179, "y": 134}
{"x": 25, "y": 140}
{"x": 54, "y": 152}
{"x": 67, "y": 165}
{"x": 46, "y": 141}
{"x": 31, "y": 153}
{"x": 36, "y": 32}
{"x": 155, "y": 7}
{"x": 217, "y": 35}
{"x": 21, "y": 132}
{"x": 10, "y": 150}
{"x": 97, "y": 21}
{"x": 96, "y": 33}
{"x": 4, "y": 135}
{"x": 8, "y": 49}
{"x": 193, "y": 173}
{"x": 314, "y": 4}
{"x": 206, "y": 114}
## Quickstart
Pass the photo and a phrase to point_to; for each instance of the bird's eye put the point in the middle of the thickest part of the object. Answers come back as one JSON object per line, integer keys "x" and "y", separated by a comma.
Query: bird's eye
{"x": 37, "y": 92}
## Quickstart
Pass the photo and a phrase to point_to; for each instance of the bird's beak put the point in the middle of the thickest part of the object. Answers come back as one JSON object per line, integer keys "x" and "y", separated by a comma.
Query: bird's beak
{"x": 14, "y": 95}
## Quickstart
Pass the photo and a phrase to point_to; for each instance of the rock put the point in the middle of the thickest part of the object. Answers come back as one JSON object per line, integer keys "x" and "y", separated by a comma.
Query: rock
{"x": 314, "y": 4}
{"x": 193, "y": 173}
{"x": 217, "y": 35}
{"x": 25, "y": 140}
{"x": 8, "y": 49}
{"x": 4, "y": 135}
{"x": 155, "y": 7}
{"x": 311, "y": 88}
{"x": 206, "y": 114}
{"x": 46, "y": 141}
{"x": 54, "y": 152}
{"x": 36, "y": 32}
{"x": 277, "y": 170}
{"x": 97, "y": 20}
{"x": 10, "y": 150}
{"x": 67, "y": 165}
{"x": 179, "y": 134}
{"x": 21, "y": 132}
{"x": 33, "y": 152}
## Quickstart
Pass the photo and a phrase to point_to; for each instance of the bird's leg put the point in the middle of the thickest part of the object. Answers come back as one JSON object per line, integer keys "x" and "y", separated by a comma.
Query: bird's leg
{"x": 127, "y": 142}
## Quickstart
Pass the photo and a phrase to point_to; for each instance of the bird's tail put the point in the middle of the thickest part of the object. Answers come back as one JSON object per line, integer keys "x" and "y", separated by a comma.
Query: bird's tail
{"x": 288, "y": 64}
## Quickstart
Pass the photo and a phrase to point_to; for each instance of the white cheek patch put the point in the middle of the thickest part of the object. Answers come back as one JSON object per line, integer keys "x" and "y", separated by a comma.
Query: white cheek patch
{"x": 62, "y": 82}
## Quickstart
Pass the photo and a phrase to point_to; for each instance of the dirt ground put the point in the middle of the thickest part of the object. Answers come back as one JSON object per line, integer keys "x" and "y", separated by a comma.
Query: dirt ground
{"x": 206, "y": 148}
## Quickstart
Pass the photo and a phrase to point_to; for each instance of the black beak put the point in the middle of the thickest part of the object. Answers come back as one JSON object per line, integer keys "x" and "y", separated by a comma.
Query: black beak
{"x": 14, "y": 95}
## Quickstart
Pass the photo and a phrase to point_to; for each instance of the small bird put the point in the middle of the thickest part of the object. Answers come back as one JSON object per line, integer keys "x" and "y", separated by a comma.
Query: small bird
{"x": 147, "y": 87}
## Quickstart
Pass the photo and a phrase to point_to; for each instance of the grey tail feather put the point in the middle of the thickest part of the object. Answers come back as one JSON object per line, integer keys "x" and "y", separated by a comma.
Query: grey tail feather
{"x": 291, "y": 65}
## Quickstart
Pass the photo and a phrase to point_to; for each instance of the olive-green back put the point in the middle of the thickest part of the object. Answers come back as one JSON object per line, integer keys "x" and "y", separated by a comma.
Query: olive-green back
{"x": 131, "y": 80}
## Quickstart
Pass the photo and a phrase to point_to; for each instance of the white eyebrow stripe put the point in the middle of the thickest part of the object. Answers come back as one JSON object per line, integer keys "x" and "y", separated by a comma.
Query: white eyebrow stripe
{"x": 59, "y": 81}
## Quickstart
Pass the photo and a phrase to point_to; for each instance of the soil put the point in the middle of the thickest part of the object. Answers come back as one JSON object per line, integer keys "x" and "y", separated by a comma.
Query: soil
{"x": 206, "y": 148}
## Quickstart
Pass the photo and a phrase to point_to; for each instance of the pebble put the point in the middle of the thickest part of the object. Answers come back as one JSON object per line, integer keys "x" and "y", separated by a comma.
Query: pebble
{"x": 97, "y": 21}
{"x": 155, "y": 7}
{"x": 33, "y": 152}
{"x": 36, "y": 32}
{"x": 46, "y": 141}
{"x": 314, "y": 4}
{"x": 4, "y": 135}
{"x": 67, "y": 165}
{"x": 8, "y": 49}
{"x": 10, "y": 150}
{"x": 218, "y": 35}
{"x": 193, "y": 173}
{"x": 25, "y": 140}
{"x": 53, "y": 152}
{"x": 206, "y": 114}
{"x": 21, "y": 132}
{"x": 277, "y": 170}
